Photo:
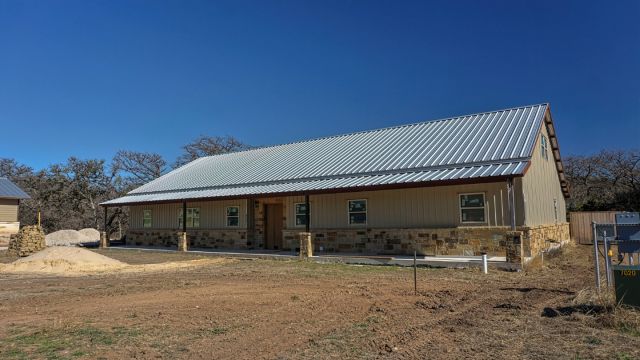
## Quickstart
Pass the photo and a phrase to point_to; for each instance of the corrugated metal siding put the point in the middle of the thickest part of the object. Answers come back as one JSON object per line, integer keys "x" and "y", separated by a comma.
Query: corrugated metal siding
{"x": 11, "y": 190}
{"x": 165, "y": 216}
{"x": 407, "y": 208}
{"x": 398, "y": 208}
{"x": 541, "y": 186}
{"x": 493, "y": 137}
{"x": 9, "y": 210}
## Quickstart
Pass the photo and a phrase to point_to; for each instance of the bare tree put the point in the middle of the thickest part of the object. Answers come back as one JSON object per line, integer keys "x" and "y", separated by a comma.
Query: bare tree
{"x": 209, "y": 145}
{"x": 608, "y": 180}
{"x": 137, "y": 168}
{"x": 89, "y": 185}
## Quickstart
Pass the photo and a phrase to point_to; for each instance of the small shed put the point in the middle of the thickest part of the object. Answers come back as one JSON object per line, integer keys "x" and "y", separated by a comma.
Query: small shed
{"x": 10, "y": 196}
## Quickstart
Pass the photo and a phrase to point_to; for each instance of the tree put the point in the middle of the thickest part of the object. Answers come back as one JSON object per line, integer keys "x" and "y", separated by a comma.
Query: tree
{"x": 207, "y": 146}
{"x": 608, "y": 180}
{"x": 86, "y": 184}
{"x": 9, "y": 168}
{"x": 133, "y": 169}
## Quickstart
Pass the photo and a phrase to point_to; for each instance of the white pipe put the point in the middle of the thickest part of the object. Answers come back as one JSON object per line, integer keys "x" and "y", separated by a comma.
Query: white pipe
{"x": 485, "y": 265}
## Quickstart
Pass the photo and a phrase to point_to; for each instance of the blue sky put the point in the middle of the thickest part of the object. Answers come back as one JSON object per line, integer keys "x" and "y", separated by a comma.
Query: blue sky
{"x": 87, "y": 78}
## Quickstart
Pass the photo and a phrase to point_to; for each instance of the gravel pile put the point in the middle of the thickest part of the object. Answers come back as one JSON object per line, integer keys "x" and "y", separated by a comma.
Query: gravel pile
{"x": 69, "y": 238}
{"x": 90, "y": 233}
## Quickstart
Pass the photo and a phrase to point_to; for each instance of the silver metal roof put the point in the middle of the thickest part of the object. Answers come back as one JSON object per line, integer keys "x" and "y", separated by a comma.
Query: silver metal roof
{"x": 9, "y": 190}
{"x": 497, "y": 143}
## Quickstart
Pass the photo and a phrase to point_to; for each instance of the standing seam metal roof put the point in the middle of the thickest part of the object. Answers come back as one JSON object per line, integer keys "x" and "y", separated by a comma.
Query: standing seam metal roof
{"x": 9, "y": 190}
{"x": 471, "y": 146}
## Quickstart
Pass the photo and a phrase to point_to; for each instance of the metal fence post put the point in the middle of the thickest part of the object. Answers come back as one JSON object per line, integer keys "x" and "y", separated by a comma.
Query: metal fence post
{"x": 595, "y": 254}
{"x": 607, "y": 264}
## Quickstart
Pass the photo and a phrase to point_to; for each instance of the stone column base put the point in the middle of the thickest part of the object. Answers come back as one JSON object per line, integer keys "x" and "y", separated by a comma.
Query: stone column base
{"x": 104, "y": 240}
{"x": 514, "y": 248}
{"x": 306, "y": 247}
{"x": 183, "y": 244}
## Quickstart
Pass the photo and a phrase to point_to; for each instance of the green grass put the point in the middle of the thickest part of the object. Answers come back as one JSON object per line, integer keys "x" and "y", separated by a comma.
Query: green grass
{"x": 63, "y": 343}
{"x": 218, "y": 330}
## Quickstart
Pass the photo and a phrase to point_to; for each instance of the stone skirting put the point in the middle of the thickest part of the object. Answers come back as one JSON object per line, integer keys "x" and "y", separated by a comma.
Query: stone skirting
{"x": 438, "y": 241}
{"x": 496, "y": 241}
{"x": 540, "y": 238}
{"x": 201, "y": 238}
{"x": 441, "y": 241}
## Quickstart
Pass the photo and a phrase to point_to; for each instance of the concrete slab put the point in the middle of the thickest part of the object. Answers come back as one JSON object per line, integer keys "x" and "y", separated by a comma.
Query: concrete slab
{"x": 359, "y": 259}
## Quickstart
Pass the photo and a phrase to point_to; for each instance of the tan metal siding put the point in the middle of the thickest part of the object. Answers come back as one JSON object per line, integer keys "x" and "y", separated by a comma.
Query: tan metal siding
{"x": 165, "y": 216}
{"x": 9, "y": 210}
{"x": 541, "y": 186}
{"x": 405, "y": 208}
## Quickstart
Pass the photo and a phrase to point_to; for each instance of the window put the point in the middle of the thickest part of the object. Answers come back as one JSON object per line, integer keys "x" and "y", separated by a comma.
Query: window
{"x": 301, "y": 214}
{"x": 233, "y": 215}
{"x": 146, "y": 218}
{"x": 472, "y": 208}
{"x": 193, "y": 218}
{"x": 543, "y": 147}
{"x": 357, "y": 212}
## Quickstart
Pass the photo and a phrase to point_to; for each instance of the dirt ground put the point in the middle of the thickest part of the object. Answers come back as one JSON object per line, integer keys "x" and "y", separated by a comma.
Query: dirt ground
{"x": 291, "y": 310}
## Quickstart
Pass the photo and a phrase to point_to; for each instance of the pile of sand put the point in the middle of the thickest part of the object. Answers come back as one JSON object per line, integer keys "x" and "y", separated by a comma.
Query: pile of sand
{"x": 64, "y": 259}
{"x": 72, "y": 237}
{"x": 61, "y": 260}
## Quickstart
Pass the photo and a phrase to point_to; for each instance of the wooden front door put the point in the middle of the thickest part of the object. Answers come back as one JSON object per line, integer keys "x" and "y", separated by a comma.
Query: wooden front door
{"x": 273, "y": 223}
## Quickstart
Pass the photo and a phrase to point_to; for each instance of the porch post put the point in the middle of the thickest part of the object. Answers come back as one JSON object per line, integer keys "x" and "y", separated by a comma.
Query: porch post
{"x": 182, "y": 241}
{"x": 104, "y": 237}
{"x": 514, "y": 246}
{"x": 306, "y": 212}
{"x": 512, "y": 203}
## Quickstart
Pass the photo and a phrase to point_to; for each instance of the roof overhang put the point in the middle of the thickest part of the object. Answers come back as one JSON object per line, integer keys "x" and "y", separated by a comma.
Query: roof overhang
{"x": 555, "y": 149}
{"x": 313, "y": 187}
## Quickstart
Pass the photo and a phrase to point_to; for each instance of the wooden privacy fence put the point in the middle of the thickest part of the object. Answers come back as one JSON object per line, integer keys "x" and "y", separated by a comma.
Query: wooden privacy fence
{"x": 580, "y": 224}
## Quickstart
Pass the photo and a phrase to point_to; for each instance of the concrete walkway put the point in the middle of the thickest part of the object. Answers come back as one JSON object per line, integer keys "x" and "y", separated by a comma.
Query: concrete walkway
{"x": 344, "y": 258}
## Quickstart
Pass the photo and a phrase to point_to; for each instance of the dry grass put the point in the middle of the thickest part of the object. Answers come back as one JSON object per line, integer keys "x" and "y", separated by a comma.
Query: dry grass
{"x": 616, "y": 316}
{"x": 301, "y": 310}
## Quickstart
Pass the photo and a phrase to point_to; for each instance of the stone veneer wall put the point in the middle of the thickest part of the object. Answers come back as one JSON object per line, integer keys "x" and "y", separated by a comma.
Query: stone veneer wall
{"x": 201, "y": 238}
{"x": 539, "y": 238}
{"x": 442, "y": 241}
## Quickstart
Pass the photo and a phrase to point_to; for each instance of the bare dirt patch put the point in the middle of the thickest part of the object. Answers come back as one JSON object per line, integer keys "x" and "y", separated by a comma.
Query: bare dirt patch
{"x": 292, "y": 310}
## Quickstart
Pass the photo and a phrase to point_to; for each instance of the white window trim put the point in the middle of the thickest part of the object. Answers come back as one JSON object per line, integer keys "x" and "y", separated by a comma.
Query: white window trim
{"x": 180, "y": 218}
{"x": 544, "y": 147}
{"x": 484, "y": 198}
{"x": 150, "y": 218}
{"x": 366, "y": 212}
{"x": 226, "y": 216}
{"x": 295, "y": 214}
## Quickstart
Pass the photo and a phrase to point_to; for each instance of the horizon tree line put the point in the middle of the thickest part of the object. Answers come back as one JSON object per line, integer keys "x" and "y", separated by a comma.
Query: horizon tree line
{"x": 68, "y": 194}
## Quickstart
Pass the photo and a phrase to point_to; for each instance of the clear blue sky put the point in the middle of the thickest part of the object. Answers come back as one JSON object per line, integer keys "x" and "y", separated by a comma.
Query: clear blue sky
{"x": 88, "y": 78}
